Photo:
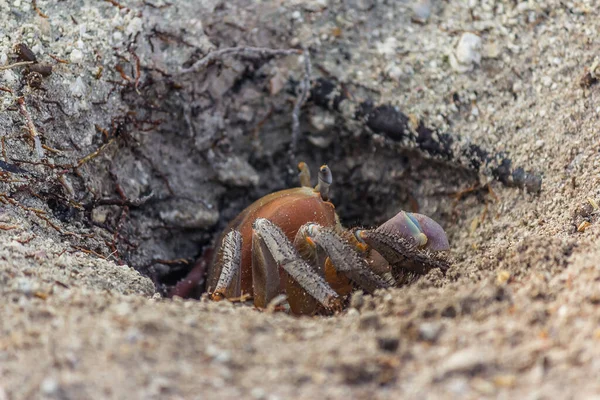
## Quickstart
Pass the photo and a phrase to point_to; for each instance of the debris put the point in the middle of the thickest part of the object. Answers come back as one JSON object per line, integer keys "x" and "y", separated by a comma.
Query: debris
{"x": 14, "y": 65}
{"x": 35, "y": 137}
{"x": 502, "y": 276}
{"x": 583, "y": 226}
{"x": 255, "y": 52}
{"x": 302, "y": 96}
{"x": 590, "y": 75}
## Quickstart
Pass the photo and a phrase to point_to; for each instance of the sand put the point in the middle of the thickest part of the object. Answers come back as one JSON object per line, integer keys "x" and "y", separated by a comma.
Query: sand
{"x": 144, "y": 165}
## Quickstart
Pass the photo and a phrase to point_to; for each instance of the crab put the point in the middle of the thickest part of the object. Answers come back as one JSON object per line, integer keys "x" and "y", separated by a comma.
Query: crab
{"x": 292, "y": 243}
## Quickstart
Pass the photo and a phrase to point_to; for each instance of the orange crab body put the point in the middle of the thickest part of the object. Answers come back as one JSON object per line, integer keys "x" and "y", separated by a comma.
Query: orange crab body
{"x": 291, "y": 242}
{"x": 288, "y": 209}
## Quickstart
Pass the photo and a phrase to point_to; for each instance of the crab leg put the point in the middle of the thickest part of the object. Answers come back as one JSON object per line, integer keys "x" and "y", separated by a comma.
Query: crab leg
{"x": 228, "y": 284}
{"x": 265, "y": 273}
{"x": 344, "y": 258}
{"x": 277, "y": 251}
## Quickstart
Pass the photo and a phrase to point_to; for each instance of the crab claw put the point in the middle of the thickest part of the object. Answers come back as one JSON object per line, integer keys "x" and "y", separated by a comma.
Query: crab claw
{"x": 419, "y": 228}
{"x": 408, "y": 240}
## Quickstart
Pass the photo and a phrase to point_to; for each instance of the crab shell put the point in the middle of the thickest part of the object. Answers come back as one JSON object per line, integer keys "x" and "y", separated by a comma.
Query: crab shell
{"x": 288, "y": 209}
{"x": 292, "y": 208}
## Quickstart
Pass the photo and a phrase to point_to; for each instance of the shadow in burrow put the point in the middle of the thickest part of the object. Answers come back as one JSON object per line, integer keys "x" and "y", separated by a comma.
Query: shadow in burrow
{"x": 197, "y": 161}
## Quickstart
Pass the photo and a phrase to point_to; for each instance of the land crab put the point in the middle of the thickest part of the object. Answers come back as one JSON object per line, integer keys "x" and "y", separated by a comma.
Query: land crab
{"x": 291, "y": 242}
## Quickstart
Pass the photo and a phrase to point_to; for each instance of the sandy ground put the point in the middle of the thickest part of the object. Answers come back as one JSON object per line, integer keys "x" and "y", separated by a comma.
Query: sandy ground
{"x": 516, "y": 316}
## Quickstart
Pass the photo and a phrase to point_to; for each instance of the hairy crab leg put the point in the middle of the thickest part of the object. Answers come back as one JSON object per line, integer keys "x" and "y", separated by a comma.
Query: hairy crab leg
{"x": 265, "y": 273}
{"x": 228, "y": 284}
{"x": 283, "y": 254}
{"x": 345, "y": 259}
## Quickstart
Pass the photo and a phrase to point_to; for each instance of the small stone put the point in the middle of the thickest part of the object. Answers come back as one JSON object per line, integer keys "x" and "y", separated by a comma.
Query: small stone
{"x": 315, "y": 5}
{"x": 99, "y": 214}
{"x": 322, "y": 120}
{"x": 357, "y": 300}
{"x": 547, "y": 81}
{"x": 49, "y": 386}
{"x": 430, "y": 331}
{"x": 258, "y": 393}
{"x": 218, "y": 355}
{"x": 394, "y": 71}
{"x": 76, "y": 56}
{"x": 449, "y": 312}
{"x": 421, "y": 10}
{"x": 388, "y": 342}
{"x": 468, "y": 361}
{"x": 467, "y": 53}
{"x": 539, "y": 144}
{"x": 369, "y": 320}
{"x": 78, "y": 88}
{"x": 387, "y": 47}
{"x": 505, "y": 380}
{"x": 236, "y": 171}
{"x": 278, "y": 81}
{"x": 502, "y": 277}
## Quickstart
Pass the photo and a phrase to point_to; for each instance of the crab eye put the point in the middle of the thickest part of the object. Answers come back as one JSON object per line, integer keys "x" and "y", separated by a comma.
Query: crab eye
{"x": 325, "y": 174}
{"x": 414, "y": 221}
{"x": 311, "y": 230}
{"x": 358, "y": 236}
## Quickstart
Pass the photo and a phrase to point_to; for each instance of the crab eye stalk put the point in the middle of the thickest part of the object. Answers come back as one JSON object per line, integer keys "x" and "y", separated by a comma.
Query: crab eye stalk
{"x": 325, "y": 180}
{"x": 358, "y": 236}
{"x": 303, "y": 174}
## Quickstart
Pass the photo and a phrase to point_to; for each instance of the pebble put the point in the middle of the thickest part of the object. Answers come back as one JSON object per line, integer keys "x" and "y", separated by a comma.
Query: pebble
{"x": 369, "y": 320}
{"x": 421, "y": 10}
{"x": 322, "y": 120}
{"x": 394, "y": 71}
{"x": 467, "y": 53}
{"x": 78, "y": 88}
{"x": 218, "y": 355}
{"x": 315, "y": 5}
{"x": 388, "y": 342}
{"x": 76, "y": 56}
{"x": 547, "y": 81}
{"x": 468, "y": 361}
{"x": 236, "y": 171}
{"x": 49, "y": 386}
{"x": 430, "y": 331}
{"x": 387, "y": 47}
{"x": 357, "y": 300}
